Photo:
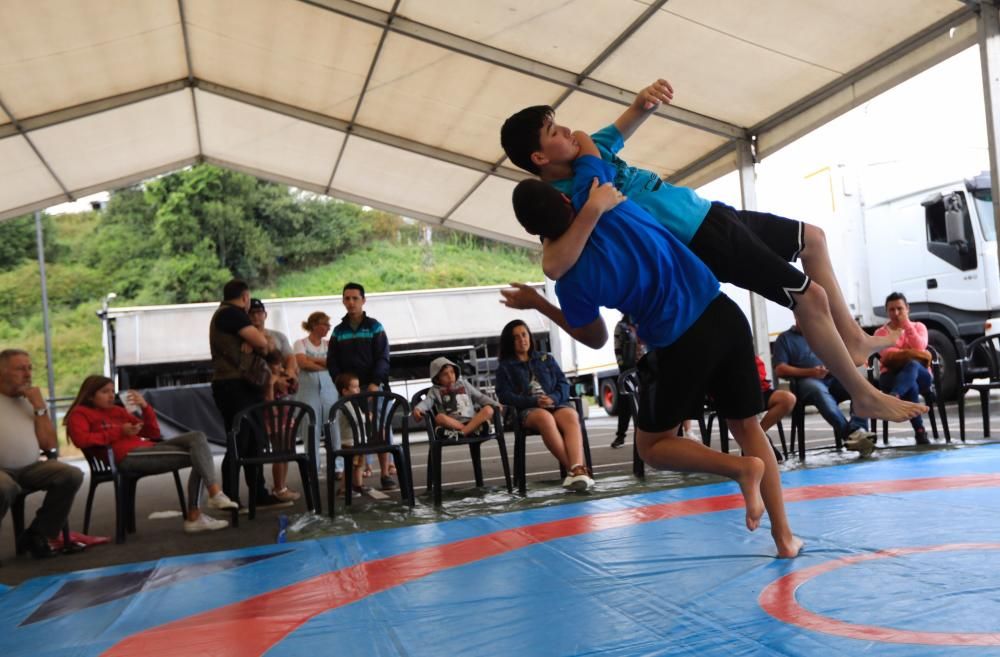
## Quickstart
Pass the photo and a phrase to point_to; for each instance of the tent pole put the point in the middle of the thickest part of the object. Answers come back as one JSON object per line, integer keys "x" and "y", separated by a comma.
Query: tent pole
{"x": 39, "y": 240}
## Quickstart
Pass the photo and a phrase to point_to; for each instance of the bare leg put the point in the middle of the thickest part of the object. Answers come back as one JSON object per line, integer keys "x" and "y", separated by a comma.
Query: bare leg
{"x": 544, "y": 423}
{"x": 816, "y": 263}
{"x": 668, "y": 451}
{"x": 448, "y": 422}
{"x": 569, "y": 426}
{"x": 484, "y": 415}
{"x": 279, "y": 472}
{"x": 813, "y": 316}
{"x": 779, "y": 405}
{"x": 753, "y": 442}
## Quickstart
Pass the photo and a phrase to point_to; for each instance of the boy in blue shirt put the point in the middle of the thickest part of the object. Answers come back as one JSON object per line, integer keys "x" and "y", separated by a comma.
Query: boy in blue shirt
{"x": 749, "y": 249}
{"x": 688, "y": 325}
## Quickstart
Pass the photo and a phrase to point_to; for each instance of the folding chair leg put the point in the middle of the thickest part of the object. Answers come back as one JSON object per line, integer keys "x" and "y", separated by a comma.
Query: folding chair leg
{"x": 930, "y": 415}
{"x": 984, "y": 405}
{"x": 502, "y": 446}
{"x": 180, "y": 493}
{"x": 89, "y": 507}
{"x": 437, "y": 474}
{"x": 944, "y": 421}
{"x": 961, "y": 414}
{"x": 724, "y": 435}
{"x": 477, "y": 463}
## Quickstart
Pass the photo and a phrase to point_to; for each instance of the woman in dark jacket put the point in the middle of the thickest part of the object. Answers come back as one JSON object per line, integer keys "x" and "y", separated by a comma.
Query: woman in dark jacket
{"x": 536, "y": 387}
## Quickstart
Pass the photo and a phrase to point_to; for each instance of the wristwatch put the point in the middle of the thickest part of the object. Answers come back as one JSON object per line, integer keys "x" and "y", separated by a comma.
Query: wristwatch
{"x": 44, "y": 410}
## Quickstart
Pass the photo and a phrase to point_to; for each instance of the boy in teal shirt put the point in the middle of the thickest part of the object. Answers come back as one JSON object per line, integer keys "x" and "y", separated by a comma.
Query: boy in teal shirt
{"x": 749, "y": 249}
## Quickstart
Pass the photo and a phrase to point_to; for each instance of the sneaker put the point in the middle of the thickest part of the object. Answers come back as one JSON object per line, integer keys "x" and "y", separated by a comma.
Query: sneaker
{"x": 272, "y": 502}
{"x": 580, "y": 481}
{"x": 222, "y": 502}
{"x": 858, "y": 434}
{"x": 864, "y": 446}
{"x": 921, "y": 436}
{"x": 287, "y": 495}
{"x": 204, "y": 523}
{"x": 388, "y": 483}
{"x": 618, "y": 442}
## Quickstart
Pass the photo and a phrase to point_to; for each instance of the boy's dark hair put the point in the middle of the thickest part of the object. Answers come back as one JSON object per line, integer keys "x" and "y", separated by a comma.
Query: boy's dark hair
{"x": 896, "y": 296}
{"x": 541, "y": 208}
{"x": 234, "y": 289}
{"x": 454, "y": 369}
{"x": 355, "y": 286}
{"x": 519, "y": 135}
{"x": 343, "y": 380}
{"x": 274, "y": 358}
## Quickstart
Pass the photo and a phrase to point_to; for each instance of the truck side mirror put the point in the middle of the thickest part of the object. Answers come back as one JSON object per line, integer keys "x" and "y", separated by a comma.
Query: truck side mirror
{"x": 949, "y": 230}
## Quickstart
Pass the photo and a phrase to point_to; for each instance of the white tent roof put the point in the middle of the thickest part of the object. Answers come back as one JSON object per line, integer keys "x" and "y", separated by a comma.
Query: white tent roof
{"x": 397, "y": 104}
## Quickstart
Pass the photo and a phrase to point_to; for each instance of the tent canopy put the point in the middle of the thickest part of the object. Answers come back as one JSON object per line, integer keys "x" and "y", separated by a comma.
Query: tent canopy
{"x": 397, "y": 104}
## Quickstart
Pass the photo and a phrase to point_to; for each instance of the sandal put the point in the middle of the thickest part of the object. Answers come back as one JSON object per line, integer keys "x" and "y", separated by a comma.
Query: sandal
{"x": 392, "y": 469}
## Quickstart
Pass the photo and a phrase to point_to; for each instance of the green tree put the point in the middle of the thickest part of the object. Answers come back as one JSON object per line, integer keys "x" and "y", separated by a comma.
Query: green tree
{"x": 18, "y": 243}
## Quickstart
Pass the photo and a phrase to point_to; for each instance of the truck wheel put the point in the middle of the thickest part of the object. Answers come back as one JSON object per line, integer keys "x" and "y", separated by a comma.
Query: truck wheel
{"x": 949, "y": 373}
{"x": 609, "y": 396}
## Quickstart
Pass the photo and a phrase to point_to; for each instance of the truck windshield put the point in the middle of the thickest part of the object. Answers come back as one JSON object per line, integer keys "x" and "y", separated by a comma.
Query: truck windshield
{"x": 984, "y": 207}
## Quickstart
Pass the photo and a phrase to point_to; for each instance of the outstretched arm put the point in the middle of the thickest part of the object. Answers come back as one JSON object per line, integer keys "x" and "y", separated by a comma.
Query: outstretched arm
{"x": 559, "y": 255}
{"x": 524, "y": 297}
{"x": 645, "y": 103}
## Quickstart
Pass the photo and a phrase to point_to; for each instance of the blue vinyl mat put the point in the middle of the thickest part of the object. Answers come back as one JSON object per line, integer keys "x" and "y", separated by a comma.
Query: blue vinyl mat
{"x": 902, "y": 557}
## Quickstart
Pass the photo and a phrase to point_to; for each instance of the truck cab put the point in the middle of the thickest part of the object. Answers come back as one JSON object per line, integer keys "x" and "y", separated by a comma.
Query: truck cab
{"x": 938, "y": 247}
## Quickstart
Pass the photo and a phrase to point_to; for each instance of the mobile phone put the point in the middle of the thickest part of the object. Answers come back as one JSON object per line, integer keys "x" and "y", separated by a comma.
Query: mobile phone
{"x": 129, "y": 406}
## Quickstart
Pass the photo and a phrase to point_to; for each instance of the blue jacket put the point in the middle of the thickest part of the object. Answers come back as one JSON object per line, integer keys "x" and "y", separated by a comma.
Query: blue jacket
{"x": 363, "y": 352}
{"x": 514, "y": 381}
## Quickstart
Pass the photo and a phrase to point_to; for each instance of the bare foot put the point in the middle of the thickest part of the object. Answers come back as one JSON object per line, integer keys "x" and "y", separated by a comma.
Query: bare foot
{"x": 881, "y": 406}
{"x": 789, "y": 546}
{"x": 749, "y": 481}
{"x": 865, "y": 345}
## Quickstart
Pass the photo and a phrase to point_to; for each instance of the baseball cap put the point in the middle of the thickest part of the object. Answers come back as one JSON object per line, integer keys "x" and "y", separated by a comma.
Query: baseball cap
{"x": 256, "y": 304}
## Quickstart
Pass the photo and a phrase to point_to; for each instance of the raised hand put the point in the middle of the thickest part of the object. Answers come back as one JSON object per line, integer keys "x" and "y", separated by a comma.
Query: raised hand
{"x": 521, "y": 297}
{"x": 656, "y": 93}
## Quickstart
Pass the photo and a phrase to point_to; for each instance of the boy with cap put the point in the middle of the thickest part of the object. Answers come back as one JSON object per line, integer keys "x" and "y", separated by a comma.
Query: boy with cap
{"x": 458, "y": 405}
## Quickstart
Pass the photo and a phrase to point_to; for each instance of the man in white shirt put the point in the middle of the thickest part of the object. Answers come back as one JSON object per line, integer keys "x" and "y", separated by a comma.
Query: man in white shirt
{"x": 25, "y": 428}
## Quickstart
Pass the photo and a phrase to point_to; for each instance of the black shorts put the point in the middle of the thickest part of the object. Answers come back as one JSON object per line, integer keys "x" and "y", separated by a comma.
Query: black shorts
{"x": 752, "y": 250}
{"x": 715, "y": 356}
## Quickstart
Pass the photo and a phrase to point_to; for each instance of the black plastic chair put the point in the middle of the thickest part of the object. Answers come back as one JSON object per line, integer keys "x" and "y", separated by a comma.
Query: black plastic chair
{"x": 370, "y": 415}
{"x": 274, "y": 428}
{"x": 521, "y": 447}
{"x": 436, "y": 443}
{"x": 103, "y": 468}
{"x": 797, "y": 434}
{"x": 17, "y": 511}
{"x": 931, "y": 398}
{"x": 979, "y": 359}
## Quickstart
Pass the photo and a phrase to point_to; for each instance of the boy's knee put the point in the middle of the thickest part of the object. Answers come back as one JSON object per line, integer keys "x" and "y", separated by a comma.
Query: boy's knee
{"x": 814, "y": 296}
{"x": 814, "y": 240}
{"x": 487, "y": 412}
{"x": 9, "y": 490}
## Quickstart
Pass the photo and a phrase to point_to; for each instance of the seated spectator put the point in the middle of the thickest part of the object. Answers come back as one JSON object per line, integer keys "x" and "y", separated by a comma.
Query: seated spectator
{"x": 778, "y": 403}
{"x": 536, "y": 387}
{"x": 794, "y": 359}
{"x": 903, "y": 366}
{"x": 25, "y": 431}
{"x": 283, "y": 385}
{"x": 348, "y": 384}
{"x": 94, "y": 420}
{"x": 458, "y": 406}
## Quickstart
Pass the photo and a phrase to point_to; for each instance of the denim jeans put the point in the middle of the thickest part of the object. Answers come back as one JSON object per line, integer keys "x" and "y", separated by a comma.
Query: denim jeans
{"x": 909, "y": 382}
{"x": 825, "y": 395}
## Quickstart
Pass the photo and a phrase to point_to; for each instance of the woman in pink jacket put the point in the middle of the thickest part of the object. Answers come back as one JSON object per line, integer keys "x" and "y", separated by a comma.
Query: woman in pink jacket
{"x": 95, "y": 420}
{"x": 903, "y": 366}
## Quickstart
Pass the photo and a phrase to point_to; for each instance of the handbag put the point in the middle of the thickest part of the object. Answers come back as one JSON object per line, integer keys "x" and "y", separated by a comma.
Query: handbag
{"x": 254, "y": 370}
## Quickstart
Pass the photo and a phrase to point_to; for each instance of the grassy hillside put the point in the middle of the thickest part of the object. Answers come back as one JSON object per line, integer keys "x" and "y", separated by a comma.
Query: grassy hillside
{"x": 76, "y": 291}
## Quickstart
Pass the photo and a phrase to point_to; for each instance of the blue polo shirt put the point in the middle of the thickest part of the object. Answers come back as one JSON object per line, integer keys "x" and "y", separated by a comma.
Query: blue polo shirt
{"x": 632, "y": 263}
{"x": 792, "y": 349}
{"x": 680, "y": 209}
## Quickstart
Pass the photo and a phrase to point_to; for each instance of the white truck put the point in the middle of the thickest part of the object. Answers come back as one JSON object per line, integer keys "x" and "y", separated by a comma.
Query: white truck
{"x": 936, "y": 245}
{"x": 164, "y": 346}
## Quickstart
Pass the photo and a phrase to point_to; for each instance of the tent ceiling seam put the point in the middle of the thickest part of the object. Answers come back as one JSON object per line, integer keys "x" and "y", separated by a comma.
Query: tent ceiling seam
{"x": 361, "y": 94}
{"x": 190, "y": 77}
{"x": 24, "y": 135}
{"x": 517, "y": 63}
